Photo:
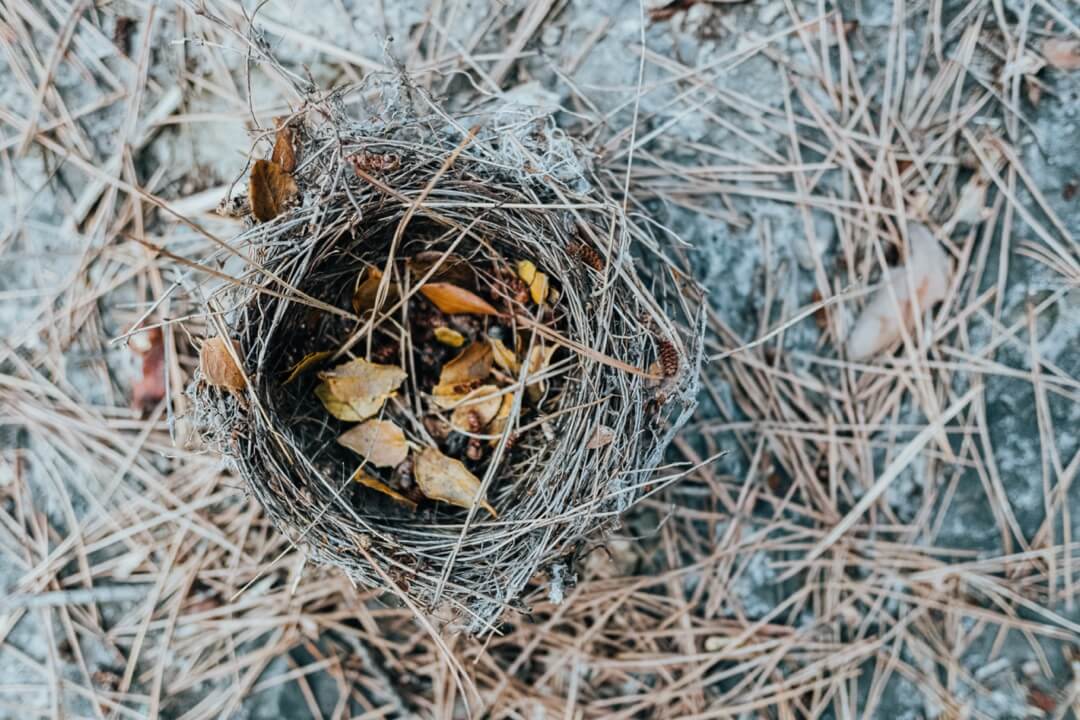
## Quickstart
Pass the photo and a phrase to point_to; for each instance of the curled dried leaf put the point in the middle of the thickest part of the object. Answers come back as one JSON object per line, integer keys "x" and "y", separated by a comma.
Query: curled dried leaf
{"x": 306, "y": 363}
{"x": 270, "y": 190}
{"x": 526, "y": 270}
{"x": 284, "y": 153}
{"x": 356, "y": 390}
{"x": 449, "y": 336}
{"x": 498, "y": 424}
{"x": 217, "y": 365}
{"x": 448, "y": 480}
{"x": 376, "y": 484}
{"x": 477, "y": 409}
{"x": 539, "y": 360}
{"x": 380, "y": 442}
{"x": 454, "y": 300}
{"x": 504, "y": 357}
{"x": 367, "y": 291}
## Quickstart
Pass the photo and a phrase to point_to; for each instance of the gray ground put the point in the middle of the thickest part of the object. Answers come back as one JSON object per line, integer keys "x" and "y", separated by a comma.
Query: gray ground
{"x": 712, "y": 96}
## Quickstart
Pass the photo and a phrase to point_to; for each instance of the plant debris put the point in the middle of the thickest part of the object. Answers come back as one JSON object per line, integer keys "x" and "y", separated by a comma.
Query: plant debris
{"x": 380, "y": 442}
{"x": 270, "y": 190}
{"x": 448, "y": 480}
{"x": 217, "y": 364}
{"x": 356, "y": 390}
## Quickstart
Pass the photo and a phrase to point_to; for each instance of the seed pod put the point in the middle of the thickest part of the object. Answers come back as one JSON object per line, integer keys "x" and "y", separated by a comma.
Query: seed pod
{"x": 588, "y": 255}
{"x": 669, "y": 358}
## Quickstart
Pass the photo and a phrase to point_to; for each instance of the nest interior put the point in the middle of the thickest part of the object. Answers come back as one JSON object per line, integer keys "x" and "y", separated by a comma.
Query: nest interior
{"x": 405, "y": 188}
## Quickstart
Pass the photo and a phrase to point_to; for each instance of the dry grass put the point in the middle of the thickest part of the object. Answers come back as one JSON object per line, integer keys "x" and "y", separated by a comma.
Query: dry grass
{"x": 128, "y": 543}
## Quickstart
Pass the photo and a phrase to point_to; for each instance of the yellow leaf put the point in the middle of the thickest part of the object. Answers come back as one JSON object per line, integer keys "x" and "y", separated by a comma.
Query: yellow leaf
{"x": 284, "y": 153}
{"x": 448, "y": 480}
{"x": 306, "y": 363}
{"x": 270, "y": 189}
{"x": 453, "y": 300}
{"x": 217, "y": 365}
{"x": 539, "y": 359}
{"x": 380, "y": 442}
{"x": 538, "y": 288}
{"x": 469, "y": 366}
{"x": 504, "y": 356}
{"x": 476, "y": 409}
{"x": 526, "y": 270}
{"x": 356, "y": 390}
{"x": 376, "y": 484}
{"x": 537, "y": 281}
{"x": 449, "y": 336}
{"x": 366, "y": 292}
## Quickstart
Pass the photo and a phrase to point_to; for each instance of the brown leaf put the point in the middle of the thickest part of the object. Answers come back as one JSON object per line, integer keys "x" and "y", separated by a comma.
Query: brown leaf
{"x": 474, "y": 411}
{"x": 376, "y": 484}
{"x": 448, "y": 480}
{"x": 150, "y": 388}
{"x": 306, "y": 363}
{"x": 458, "y": 377}
{"x": 453, "y": 300}
{"x": 603, "y": 435}
{"x": 380, "y": 442}
{"x": 1062, "y": 53}
{"x": 356, "y": 390}
{"x": 217, "y": 365}
{"x": 270, "y": 189}
{"x": 366, "y": 292}
{"x": 284, "y": 153}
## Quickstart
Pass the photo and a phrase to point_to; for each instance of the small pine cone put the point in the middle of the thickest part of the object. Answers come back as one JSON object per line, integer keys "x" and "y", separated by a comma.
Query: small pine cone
{"x": 474, "y": 451}
{"x": 669, "y": 358}
{"x": 588, "y": 255}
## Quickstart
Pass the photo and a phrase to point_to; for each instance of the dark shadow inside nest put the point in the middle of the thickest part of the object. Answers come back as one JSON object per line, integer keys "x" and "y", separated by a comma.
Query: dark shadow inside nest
{"x": 405, "y": 339}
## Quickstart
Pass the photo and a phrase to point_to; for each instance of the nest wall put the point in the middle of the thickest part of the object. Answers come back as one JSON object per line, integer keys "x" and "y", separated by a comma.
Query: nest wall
{"x": 491, "y": 185}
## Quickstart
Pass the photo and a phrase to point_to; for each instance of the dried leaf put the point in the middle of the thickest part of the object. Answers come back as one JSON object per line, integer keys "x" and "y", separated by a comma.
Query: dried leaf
{"x": 538, "y": 288}
{"x": 476, "y": 409}
{"x": 539, "y": 360}
{"x": 306, "y": 363}
{"x": 380, "y": 442}
{"x": 1062, "y": 53}
{"x": 602, "y": 436}
{"x": 880, "y": 323}
{"x": 526, "y": 270}
{"x": 366, "y": 292}
{"x": 284, "y": 154}
{"x": 270, "y": 189}
{"x": 356, "y": 390}
{"x": 504, "y": 356}
{"x": 447, "y": 480}
{"x": 536, "y": 280}
{"x": 376, "y": 484}
{"x": 217, "y": 365}
{"x": 453, "y": 300}
{"x": 469, "y": 367}
{"x": 498, "y": 424}
{"x": 150, "y": 388}
{"x": 449, "y": 336}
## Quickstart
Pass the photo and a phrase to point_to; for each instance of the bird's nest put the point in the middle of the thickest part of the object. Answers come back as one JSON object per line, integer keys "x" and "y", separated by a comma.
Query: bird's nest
{"x": 592, "y": 348}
